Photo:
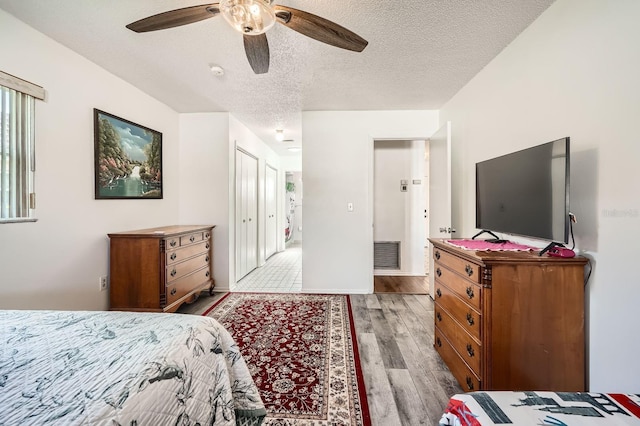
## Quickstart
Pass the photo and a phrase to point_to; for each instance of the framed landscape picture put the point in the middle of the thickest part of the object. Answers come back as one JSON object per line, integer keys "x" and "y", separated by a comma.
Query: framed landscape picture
{"x": 128, "y": 159}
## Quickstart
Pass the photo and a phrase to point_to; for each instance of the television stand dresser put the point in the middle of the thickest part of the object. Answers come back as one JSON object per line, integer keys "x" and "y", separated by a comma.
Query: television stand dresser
{"x": 507, "y": 320}
{"x": 158, "y": 269}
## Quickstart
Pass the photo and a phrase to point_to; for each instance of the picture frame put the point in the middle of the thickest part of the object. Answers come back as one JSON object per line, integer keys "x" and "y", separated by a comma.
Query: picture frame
{"x": 128, "y": 159}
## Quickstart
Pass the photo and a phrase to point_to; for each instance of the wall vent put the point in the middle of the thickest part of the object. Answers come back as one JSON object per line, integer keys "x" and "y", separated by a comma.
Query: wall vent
{"x": 386, "y": 255}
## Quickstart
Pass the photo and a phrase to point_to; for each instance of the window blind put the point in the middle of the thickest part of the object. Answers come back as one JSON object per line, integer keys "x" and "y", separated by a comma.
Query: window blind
{"x": 17, "y": 159}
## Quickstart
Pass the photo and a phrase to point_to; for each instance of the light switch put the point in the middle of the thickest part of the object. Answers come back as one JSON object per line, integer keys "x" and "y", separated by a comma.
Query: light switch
{"x": 349, "y": 207}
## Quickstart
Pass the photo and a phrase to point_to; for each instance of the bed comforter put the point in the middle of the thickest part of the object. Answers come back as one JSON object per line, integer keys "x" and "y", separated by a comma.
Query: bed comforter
{"x": 542, "y": 408}
{"x": 122, "y": 368}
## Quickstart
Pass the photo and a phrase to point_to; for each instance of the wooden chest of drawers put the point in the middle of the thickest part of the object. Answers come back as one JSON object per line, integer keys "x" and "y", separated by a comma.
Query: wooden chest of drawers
{"x": 510, "y": 320}
{"x": 158, "y": 269}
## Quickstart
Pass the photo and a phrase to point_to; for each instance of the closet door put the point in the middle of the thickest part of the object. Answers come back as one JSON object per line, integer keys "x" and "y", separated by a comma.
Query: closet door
{"x": 246, "y": 214}
{"x": 241, "y": 219}
{"x": 252, "y": 212}
{"x": 271, "y": 226}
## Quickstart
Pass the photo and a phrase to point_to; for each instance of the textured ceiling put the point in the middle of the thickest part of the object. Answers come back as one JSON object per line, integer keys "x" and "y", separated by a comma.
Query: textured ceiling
{"x": 420, "y": 53}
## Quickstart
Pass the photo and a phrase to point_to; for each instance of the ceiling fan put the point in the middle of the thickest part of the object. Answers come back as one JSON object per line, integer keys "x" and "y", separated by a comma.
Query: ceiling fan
{"x": 253, "y": 18}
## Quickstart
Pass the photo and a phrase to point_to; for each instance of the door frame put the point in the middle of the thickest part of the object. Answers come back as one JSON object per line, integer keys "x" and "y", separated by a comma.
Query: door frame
{"x": 277, "y": 215}
{"x": 442, "y": 215}
{"x": 413, "y": 219}
{"x": 370, "y": 167}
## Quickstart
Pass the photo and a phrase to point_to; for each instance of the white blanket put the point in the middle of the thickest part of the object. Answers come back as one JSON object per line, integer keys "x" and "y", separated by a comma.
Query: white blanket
{"x": 122, "y": 368}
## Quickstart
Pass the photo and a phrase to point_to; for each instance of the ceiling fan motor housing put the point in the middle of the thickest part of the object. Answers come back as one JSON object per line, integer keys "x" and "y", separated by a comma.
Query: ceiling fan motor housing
{"x": 251, "y": 17}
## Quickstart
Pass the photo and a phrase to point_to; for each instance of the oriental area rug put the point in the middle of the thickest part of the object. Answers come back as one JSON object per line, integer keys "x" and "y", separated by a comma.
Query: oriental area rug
{"x": 302, "y": 353}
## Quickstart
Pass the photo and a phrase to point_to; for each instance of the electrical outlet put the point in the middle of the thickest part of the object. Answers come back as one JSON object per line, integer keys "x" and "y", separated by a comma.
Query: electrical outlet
{"x": 103, "y": 283}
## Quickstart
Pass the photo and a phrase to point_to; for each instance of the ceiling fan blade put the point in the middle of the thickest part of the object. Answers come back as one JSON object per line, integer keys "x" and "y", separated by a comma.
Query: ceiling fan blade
{"x": 175, "y": 18}
{"x": 257, "y": 49}
{"x": 319, "y": 28}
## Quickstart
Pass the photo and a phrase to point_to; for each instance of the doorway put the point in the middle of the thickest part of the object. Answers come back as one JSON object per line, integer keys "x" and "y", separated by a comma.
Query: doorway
{"x": 438, "y": 213}
{"x": 399, "y": 216}
{"x": 281, "y": 271}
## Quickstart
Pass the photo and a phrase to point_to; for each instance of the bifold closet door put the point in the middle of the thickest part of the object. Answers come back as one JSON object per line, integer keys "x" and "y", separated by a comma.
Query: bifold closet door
{"x": 246, "y": 214}
{"x": 271, "y": 226}
{"x": 252, "y": 212}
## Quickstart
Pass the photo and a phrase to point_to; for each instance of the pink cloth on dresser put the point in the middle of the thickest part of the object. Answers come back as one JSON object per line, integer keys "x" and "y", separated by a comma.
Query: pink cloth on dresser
{"x": 485, "y": 245}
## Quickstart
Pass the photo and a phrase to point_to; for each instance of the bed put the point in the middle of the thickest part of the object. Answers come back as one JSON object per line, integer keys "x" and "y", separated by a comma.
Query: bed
{"x": 122, "y": 368}
{"x": 542, "y": 408}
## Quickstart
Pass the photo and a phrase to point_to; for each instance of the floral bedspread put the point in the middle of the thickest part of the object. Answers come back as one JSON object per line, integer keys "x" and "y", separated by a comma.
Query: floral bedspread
{"x": 122, "y": 368}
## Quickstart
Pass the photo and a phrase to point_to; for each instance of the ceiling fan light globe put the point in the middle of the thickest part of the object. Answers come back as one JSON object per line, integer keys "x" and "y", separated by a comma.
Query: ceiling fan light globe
{"x": 251, "y": 17}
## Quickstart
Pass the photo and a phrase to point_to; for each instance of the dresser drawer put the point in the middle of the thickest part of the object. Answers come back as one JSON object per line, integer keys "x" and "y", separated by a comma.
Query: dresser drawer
{"x": 467, "y": 379}
{"x": 469, "y": 291}
{"x": 468, "y": 318}
{"x": 178, "y": 270}
{"x": 172, "y": 243}
{"x": 468, "y": 348}
{"x": 460, "y": 266}
{"x": 189, "y": 239}
{"x": 187, "y": 284}
{"x": 178, "y": 255}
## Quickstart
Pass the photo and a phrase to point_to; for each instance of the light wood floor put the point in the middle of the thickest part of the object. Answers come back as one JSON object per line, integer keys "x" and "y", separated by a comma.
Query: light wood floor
{"x": 407, "y": 382}
{"x": 401, "y": 284}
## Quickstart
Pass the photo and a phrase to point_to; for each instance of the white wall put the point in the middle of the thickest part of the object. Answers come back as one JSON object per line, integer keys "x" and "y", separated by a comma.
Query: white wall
{"x": 205, "y": 189}
{"x": 241, "y": 137}
{"x": 56, "y": 262}
{"x": 337, "y": 168}
{"x": 291, "y": 163}
{"x": 573, "y": 72}
{"x": 399, "y": 216}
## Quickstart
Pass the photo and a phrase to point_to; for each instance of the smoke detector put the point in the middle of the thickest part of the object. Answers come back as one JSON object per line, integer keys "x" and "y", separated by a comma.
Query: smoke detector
{"x": 216, "y": 70}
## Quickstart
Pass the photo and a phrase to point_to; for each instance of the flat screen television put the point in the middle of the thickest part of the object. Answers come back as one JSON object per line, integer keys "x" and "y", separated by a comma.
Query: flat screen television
{"x": 526, "y": 193}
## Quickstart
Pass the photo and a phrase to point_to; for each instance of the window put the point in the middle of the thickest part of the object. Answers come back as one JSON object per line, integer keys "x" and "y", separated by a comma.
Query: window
{"x": 17, "y": 156}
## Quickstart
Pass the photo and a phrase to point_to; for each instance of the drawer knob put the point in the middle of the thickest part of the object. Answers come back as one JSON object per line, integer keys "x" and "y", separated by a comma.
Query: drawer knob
{"x": 172, "y": 243}
{"x": 192, "y": 238}
{"x": 173, "y": 256}
{"x": 438, "y": 293}
{"x": 207, "y": 246}
{"x": 173, "y": 291}
{"x": 438, "y": 272}
{"x": 470, "y": 319}
{"x": 469, "y": 270}
{"x": 206, "y": 259}
{"x": 174, "y": 272}
{"x": 470, "y": 350}
{"x": 437, "y": 255}
{"x": 470, "y": 293}
{"x": 207, "y": 235}
{"x": 207, "y": 274}
{"x": 439, "y": 316}
{"x": 438, "y": 342}
{"x": 469, "y": 383}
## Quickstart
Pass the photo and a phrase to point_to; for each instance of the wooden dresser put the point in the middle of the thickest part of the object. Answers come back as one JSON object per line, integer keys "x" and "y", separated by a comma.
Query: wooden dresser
{"x": 510, "y": 320}
{"x": 158, "y": 269}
